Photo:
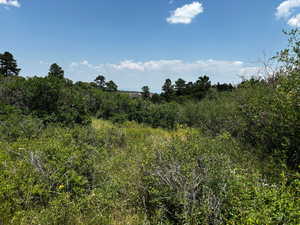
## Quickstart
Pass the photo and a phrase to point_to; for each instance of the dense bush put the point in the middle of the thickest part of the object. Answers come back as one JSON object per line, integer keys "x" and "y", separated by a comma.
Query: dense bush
{"x": 13, "y": 124}
{"x": 41, "y": 176}
{"x": 187, "y": 182}
{"x": 272, "y": 118}
{"x": 253, "y": 200}
{"x": 56, "y": 100}
{"x": 50, "y": 99}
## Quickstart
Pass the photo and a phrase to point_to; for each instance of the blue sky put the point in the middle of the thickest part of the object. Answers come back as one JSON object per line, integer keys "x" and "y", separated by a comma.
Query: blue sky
{"x": 143, "y": 42}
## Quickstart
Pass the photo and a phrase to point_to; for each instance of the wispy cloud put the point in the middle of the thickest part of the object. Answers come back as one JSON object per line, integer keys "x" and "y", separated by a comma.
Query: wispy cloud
{"x": 14, "y": 3}
{"x": 173, "y": 65}
{"x": 44, "y": 63}
{"x": 286, "y": 8}
{"x": 294, "y": 21}
{"x": 129, "y": 65}
{"x": 186, "y": 13}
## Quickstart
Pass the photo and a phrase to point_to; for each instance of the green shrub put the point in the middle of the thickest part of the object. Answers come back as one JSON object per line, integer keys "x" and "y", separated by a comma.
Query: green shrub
{"x": 253, "y": 201}
{"x": 187, "y": 182}
{"x": 14, "y": 125}
{"x": 272, "y": 118}
{"x": 215, "y": 116}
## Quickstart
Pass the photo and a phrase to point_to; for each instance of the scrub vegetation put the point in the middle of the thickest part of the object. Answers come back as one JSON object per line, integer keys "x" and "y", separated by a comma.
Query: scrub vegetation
{"x": 86, "y": 154}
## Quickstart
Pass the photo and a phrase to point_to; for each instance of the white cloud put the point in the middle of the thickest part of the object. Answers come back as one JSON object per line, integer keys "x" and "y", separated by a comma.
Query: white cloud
{"x": 73, "y": 64}
{"x": 173, "y": 65}
{"x": 285, "y": 9}
{"x": 84, "y": 62}
{"x": 14, "y": 3}
{"x": 129, "y": 65}
{"x": 294, "y": 21}
{"x": 186, "y": 13}
{"x": 44, "y": 63}
{"x": 132, "y": 75}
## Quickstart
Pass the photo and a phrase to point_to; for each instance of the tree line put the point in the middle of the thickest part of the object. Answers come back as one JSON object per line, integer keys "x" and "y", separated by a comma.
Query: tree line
{"x": 179, "y": 91}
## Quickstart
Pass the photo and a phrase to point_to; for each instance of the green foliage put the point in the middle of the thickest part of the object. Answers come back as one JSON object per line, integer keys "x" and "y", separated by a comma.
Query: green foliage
{"x": 51, "y": 99}
{"x": 167, "y": 115}
{"x": 13, "y": 91}
{"x": 118, "y": 174}
{"x": 227, "y": 155}
{"x": 156, "y": 98}
{"x": 180, "y": 87}
{"x": 16, "y": 125}
{"x": 216, "y": 115}
{"x": 254, "y": 201}
{"x": 187, "y": 182}
{"x": 182, "y": 91}
{"x": 168, "y": 90}
{"x": 287, "y": 110}
{"x": 111, "y": 86}
{"x": 13, "y": 124}
{"x": 145, "y": 92}
{"x": 100, "y": 81}
{"x": 272, "y": 118}
{"x": 56, "y": 71}
{"x": 201, "y": 87}
{"x": 54, "y": 100}
{"x": 8, "y": 65}
{"x": 223, "y": 87}
{"x": 48, "y": 172}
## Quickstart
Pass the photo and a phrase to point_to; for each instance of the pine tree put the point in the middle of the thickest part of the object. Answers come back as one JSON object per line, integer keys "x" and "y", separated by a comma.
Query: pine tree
{"x": 111, "y": 86}
{"x": 56, "y": 71}
{"x": 180, "y": 86}
{"x": 8, "y": 65}
{"x": 100, "y": 82}
{"x": 168, "y": 90}
{"x": 145, "y": 92}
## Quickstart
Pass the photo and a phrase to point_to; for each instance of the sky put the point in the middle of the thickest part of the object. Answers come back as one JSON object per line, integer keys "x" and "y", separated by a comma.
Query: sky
{"x": 143, "y": 42}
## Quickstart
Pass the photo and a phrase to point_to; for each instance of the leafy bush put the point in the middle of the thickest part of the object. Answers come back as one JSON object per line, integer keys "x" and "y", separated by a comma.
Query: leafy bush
{"x": 187, "y": 182}
{"x": 14, "y": 125}
{"x": 55, "y": 100}
{"x": 272, "y": 118}
{"x": 253, "y": 200}
{"x": 50, "y": 99}
{"x": 215, "y": 116}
